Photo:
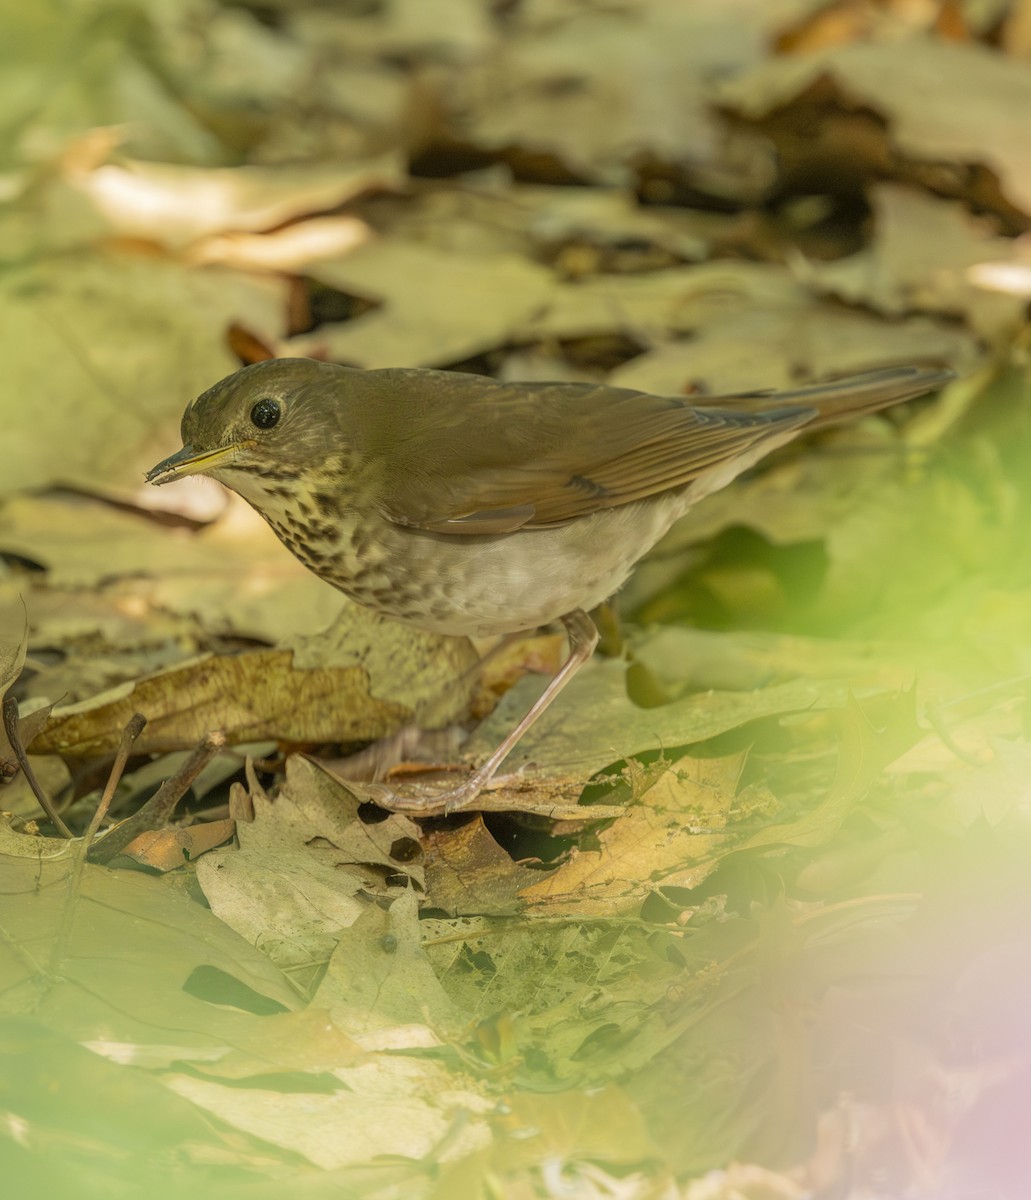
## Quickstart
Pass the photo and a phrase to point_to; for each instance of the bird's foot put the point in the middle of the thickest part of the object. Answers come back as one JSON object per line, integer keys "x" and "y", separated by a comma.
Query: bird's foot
{"x": 460, "y": 798}
{"x": 424, "y": 803}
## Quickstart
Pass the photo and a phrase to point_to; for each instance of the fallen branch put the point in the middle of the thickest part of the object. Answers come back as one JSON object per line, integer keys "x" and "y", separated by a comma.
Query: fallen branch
{"x": 10, "y": 708}
{"x": 159, "y": 808}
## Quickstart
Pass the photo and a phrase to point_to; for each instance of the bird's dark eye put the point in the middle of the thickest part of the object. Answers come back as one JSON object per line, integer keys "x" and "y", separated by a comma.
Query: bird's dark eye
{"x": 266, "y": 413}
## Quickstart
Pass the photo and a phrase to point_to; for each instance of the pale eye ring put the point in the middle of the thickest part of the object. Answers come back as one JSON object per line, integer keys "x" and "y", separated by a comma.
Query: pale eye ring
{"x": 266, "y": 413}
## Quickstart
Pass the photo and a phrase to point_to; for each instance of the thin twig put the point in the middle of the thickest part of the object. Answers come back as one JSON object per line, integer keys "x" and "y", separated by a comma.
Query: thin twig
{"x": 156, "y": 812}
{"x": 10, "y": 713}
{"x": 130, "y": 733}
{"x": 137, "y": 723}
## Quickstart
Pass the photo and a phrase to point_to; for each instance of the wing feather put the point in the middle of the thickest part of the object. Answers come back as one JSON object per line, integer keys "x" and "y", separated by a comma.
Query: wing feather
{"x": 515, "y": 456}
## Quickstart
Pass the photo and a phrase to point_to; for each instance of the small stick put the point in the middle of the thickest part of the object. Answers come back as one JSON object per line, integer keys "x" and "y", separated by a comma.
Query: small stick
{"x": 10, "y": 708}
{"x": 130, "y": 733}
{"x": 156, "y": 812}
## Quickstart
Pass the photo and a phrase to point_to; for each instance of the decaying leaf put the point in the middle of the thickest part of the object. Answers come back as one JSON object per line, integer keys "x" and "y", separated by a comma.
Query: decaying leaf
{"x": 437, "y": 307}
{"x": 645, "y": 88}
{"x": 255, "y": 696}
{"x": 112, "y": 961}
{"x": 176, "y": 205}
{"x": 468, "y": 872}
{"x": 945, "y": 102}
{"x": 248, "y": 696}
{"x": 594, "y": 723}
{"x": 307, "y": 867}
{"x": 169, "y": 849}
{"x": 387, "y": 1106}
{"x": 379, "y": 977}
{"x": 134, "y": 386}
{"x": 670, "y": 837}
{"x": 931, "y": 256}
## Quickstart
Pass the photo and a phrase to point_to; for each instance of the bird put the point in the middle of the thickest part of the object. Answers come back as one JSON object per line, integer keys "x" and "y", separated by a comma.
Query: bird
{"x": 468, "y": 506}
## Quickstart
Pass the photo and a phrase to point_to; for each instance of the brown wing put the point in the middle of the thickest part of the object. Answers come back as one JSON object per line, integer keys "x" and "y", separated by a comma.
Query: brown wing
{"x": 525, "y": 456}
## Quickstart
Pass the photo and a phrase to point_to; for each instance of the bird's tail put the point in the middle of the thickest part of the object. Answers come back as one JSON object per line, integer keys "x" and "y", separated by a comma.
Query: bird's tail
{"x": 843, "y": 399}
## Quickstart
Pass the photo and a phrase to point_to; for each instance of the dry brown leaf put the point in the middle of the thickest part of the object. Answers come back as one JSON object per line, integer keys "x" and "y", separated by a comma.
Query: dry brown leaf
{"x": 683, "y": 659}
{"x": 593, "y": 723}
{"x": 655, "y": 303}
{"x": 17, "y": 844}
{"x": 733, "y": 326}
{"x": 578, "y": 230}
{"x": 945, "y": 102}
{"x": 62, "y": 361}
{"x": 307, "y": 867}
{"x": 437, "y": 308}
{"x": 18, "y": 798}
{"x": 1016, "y": 30}
{"x": 452, "y": 31}
{"x": 927, "y": 255}
{"x": 430, "y": 674}
{"x": 53, "y": 91}
{"x": 289, "y": 249}
{"x": 82, "y": 540}
{"x": 379, "y": 976}
{"x": 671, "y": 836}
{"x": 169, "y": 849}
{"x": 14, "y": 631}
{"x": 249, "y": 697}
{"x": 388, "y": 1106}
{"x": 468, "y": 872}
{"x": 602, "y": 1125}
{"x": 111, "y": 960}
{"x": 135, "y": 582}
{"x": 174, "y": 204}
{"x": 600, "y": 88}
{"x": 294, "y": 1041}
{"x": 606, "y": 217}
{"x": 14, "y": 636}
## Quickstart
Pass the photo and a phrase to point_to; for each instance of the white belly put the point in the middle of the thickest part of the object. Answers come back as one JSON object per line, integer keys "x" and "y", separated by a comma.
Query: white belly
{"x": 477, "y": 586}
{"x": 494, "y": 585}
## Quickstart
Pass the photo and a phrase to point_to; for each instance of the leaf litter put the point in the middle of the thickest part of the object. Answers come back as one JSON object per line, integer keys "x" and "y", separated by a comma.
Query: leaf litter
{"x": 650, "y": 955}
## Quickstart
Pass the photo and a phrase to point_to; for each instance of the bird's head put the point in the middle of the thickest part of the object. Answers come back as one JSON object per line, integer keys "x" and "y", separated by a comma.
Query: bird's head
{"x": 265, "y": 422}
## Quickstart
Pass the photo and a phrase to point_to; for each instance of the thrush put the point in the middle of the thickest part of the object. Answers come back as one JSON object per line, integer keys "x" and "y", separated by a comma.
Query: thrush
{"x": 467, "y": 506}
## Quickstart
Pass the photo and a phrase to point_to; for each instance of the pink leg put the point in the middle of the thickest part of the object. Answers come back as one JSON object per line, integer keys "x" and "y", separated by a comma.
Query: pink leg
{"x": 583, "y": 637}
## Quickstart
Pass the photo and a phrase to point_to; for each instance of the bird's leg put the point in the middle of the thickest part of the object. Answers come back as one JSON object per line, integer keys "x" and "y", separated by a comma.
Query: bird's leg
{"x": 583, "y": 637}
{"x": 376, "y": 761}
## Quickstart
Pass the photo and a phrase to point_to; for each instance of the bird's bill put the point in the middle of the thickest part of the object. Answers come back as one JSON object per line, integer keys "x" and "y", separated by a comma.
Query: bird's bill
{"x": 189, "y": 461}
